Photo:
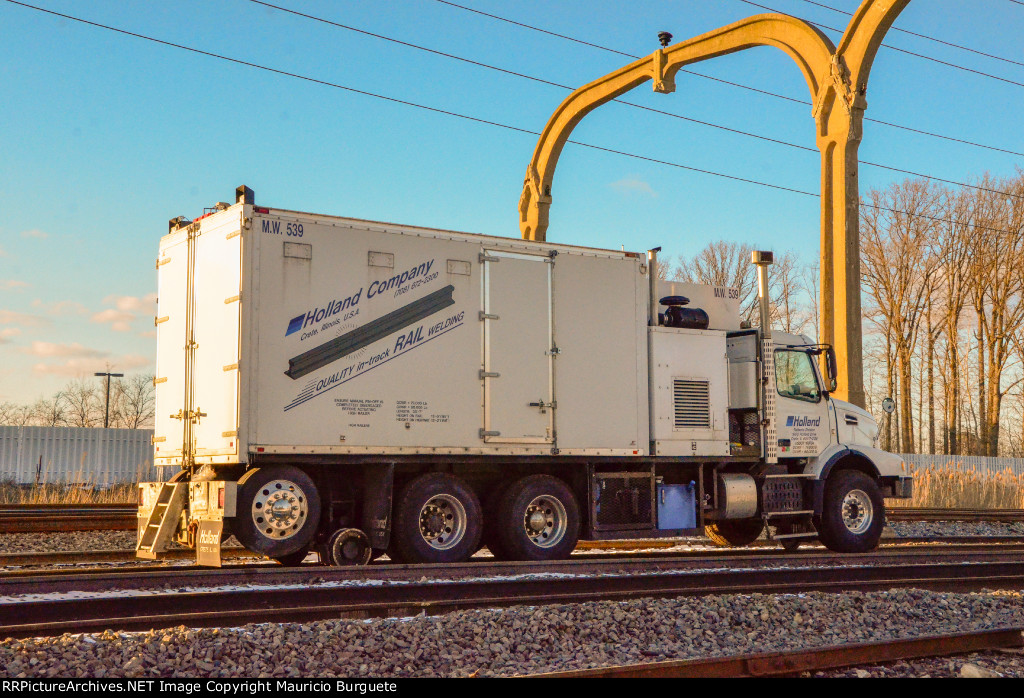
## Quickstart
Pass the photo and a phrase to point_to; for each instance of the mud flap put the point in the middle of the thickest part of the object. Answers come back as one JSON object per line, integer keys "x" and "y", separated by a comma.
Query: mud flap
{"x": 208, "y": 542}
{"x": 378, "y": 486}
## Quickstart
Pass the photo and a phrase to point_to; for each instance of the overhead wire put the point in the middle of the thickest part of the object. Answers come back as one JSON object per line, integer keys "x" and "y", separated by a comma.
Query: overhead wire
{"x": 720, "y": 80}
{"x": 488, "y": 66}
{"x": 893, "y": 48}
{"x": 921, "y": 36}
{"x": 446, "y": 112}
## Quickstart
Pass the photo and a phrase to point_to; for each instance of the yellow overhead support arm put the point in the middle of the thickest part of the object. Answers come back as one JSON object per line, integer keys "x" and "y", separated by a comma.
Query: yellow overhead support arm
{"x": 834, "y": 77}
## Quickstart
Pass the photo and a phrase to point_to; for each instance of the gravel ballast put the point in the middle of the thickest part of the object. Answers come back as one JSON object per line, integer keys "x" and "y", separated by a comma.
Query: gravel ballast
{"x": 505, "y": 642}
{"x": 939, "y": 529}
{"x": 67, "y": 541}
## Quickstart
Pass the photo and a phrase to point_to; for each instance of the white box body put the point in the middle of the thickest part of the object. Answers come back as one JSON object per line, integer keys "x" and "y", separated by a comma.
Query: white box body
{"x": 327, "y": 335}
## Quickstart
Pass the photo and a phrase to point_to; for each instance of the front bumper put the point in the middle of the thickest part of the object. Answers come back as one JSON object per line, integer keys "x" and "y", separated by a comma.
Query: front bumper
{"x": 903, "y": 487}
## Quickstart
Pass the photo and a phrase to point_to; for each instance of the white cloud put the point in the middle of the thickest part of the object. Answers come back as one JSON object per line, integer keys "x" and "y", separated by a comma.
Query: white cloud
{"x": 134, "y": 304}
{"x": 12, "y": 284}
{"x": 148, "y": 333}
{"x": 78, "y": 367}
{"x": 49, "y": 349}
{"x": 8, "y": 332}
{"x": 633, "y": 185}
{"x": 119, "y": 321}
{"x": 35, "y": 234}
{"x": 61, "y": 307}
{"x": 10, "y": 317}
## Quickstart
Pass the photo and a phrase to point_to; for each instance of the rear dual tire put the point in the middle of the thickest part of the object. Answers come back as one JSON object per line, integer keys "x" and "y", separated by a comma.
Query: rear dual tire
{"x": 277, "y": 513}
{"x": 537, "y": 518}
{"x": 438, "y": 519}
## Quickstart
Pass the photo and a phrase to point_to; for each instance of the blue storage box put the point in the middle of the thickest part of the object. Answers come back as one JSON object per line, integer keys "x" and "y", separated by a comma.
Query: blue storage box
{"x": 677, "y": 508}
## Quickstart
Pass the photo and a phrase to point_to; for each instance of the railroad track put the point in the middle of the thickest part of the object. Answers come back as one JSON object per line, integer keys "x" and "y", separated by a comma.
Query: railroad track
{"x": 214, "y": 598}
{"x": 75, "y": 562}
{"x": 58, "y": 518}
{"x": 806, "y": 660}
{"x": 914, "y": 514}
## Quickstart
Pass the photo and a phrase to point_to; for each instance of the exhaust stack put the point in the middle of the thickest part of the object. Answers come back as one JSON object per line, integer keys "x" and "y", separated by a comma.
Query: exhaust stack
{"x": 763, "y": 260}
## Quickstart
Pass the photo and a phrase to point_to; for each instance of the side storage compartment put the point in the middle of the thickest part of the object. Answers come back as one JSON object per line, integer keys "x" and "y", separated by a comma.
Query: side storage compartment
{"x": 689, "y": 381}
{"x": 622, "y": 501}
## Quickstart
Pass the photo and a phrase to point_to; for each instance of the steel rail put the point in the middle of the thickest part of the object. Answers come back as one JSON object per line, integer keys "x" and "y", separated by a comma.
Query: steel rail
{"x": 272, "y": 599}
{"x": 616, "y": 550}
{"x": 809, "y": 659}
{"x": 59, "y": 518}
{"x": 115, "y": 517}
{"x": 921, "y": 514}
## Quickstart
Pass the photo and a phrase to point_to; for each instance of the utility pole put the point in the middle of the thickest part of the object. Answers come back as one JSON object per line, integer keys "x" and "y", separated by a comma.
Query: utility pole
{"x": 106, "y": 414}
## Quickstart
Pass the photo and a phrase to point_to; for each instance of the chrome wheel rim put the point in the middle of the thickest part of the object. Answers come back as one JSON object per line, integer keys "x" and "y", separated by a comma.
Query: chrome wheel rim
{"x": 545, "y": 521}
{"x": 279, "y": 509}
{"x": 442, "y": 522}
{"x": 858, "y": 512}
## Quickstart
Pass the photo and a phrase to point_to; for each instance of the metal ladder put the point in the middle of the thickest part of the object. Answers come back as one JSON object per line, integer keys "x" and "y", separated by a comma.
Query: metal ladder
{"x": 162, "y": 521}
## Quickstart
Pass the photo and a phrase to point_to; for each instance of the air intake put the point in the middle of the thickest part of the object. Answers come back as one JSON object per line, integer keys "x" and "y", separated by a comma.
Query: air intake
{"x": 692, "y": 401}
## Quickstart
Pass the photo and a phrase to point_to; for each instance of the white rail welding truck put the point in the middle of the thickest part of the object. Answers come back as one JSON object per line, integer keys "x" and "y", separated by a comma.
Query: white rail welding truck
{"x": 357, "y": 388}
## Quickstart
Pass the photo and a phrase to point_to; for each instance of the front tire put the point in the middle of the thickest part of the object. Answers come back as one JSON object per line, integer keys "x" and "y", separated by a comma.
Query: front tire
{"x": 277, "y": 511}
{"x": 853, "y": 513}
{"x": 438, "y": 519}
{"x": 538, "y": 518}
{"x": 734, "y": 533}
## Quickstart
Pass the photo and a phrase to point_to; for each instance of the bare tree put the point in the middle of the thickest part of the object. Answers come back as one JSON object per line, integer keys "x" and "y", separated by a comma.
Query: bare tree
{"x": 727, "y": 264}
{"x": 952, "y": 247}
{"x": 82, "y": 403}
{"x": 14, "y": 415}
{"x": 49, "y": 412}
{"x": 134, "y": 402}
{"x": 810, "y": 279}
{"x": 898, "y": 268}
{"x": 787, "y": 312}
{"x": 995, "y": 261}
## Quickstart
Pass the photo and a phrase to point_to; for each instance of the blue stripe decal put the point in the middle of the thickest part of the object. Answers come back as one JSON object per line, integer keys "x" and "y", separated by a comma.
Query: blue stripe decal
{"x": 300, "y": 400}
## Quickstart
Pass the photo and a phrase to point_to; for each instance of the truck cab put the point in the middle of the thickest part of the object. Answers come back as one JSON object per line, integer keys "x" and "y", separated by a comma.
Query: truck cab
{"x": 818, "y": 433}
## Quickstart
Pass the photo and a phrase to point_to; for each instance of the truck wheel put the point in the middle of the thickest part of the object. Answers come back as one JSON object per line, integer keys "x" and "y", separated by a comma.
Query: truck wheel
{"x": 437, "y": 519}
{"x": 734, "y": 533}
{"x": 277, "y": 512}
{"x": 853, "y": 513}
{"x": 538, "y": 519}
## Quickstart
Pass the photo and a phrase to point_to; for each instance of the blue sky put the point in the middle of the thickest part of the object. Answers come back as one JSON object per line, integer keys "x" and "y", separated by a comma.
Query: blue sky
{"x": 104, "y": 137}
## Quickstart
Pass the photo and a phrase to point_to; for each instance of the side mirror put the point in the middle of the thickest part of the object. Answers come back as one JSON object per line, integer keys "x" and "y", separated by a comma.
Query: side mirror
{"x": 833, "y": 372}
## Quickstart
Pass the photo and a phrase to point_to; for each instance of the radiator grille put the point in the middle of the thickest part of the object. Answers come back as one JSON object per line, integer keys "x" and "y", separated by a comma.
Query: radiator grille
{"x": 692, "y": 400}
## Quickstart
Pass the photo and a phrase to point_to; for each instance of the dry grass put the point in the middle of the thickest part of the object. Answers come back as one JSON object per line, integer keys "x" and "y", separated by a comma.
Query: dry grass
{"x": 78, "y": 488}
{"x": 67, "y": 494}
{"x": 962, "y": 488}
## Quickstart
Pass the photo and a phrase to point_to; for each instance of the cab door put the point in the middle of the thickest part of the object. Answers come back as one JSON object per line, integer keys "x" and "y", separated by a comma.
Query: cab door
{"x": 803, "y": 420}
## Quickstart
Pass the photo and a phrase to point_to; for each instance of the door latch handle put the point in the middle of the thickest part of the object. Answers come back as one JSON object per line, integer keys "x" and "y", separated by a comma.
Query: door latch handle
{"x": 544, "y": 405}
